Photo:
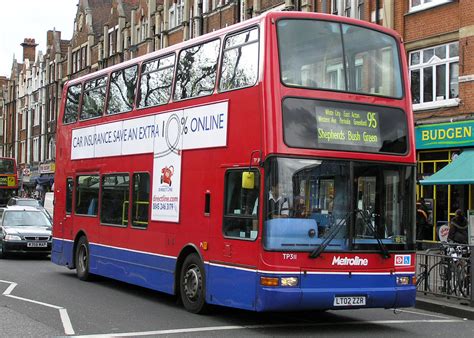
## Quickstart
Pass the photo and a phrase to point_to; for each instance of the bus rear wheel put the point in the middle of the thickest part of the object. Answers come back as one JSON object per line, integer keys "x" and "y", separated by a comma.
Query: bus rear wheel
{"x": 193, "y": 284}
{"x": 82, "y": 259}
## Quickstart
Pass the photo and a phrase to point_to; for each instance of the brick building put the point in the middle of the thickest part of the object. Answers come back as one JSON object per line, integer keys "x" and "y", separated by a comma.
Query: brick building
{"x": 438, "y": 37}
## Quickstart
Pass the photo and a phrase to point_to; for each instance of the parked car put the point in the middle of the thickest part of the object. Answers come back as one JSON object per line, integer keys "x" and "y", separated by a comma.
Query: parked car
{"x": 25, "y": 230}
{"x": 28, "y": 202}
{"x": 24, "y": 201}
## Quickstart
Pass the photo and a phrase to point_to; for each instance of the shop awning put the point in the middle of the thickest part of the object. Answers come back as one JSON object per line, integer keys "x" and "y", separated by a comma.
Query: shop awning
{"x": 459, "y": 171}
{"x": 45, "y": 179}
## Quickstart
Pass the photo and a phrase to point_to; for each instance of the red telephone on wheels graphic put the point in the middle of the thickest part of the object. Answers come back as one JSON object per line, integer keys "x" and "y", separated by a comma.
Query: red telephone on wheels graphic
{"x": 166, "y": 174}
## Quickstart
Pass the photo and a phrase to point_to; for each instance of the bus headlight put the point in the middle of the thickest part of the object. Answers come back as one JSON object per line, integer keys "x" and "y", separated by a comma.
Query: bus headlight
{"x": 289, "y": 281}
{"x": 403, "y": 280}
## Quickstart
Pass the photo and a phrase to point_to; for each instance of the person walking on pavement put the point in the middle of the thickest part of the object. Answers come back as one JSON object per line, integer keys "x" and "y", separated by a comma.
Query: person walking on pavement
{"x": 423, "y": 227}
{"x": 458, "y": 228}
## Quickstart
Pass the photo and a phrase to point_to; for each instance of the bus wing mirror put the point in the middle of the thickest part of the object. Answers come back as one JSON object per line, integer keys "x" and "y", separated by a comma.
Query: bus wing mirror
{"x": 248, "y": 180}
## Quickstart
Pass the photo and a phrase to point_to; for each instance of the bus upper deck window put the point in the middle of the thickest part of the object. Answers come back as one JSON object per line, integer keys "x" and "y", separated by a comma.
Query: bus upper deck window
{"x": 71, "y": 110}
{"x": 122, "y": 90}
{"x": 197, "y": 67}
{"x": 155, "y": 82}
{"x": 93, "y": 100}
{"x": 240, "y": 62}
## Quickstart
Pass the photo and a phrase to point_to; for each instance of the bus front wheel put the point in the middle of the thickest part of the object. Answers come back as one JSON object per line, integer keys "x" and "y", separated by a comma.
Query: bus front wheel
{"x": 82, "y": 259}
{"x": 193, "y": 284}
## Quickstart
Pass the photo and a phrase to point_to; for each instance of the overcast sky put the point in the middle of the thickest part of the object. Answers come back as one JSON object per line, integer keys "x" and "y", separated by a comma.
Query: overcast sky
{"x": 20, "y": 19}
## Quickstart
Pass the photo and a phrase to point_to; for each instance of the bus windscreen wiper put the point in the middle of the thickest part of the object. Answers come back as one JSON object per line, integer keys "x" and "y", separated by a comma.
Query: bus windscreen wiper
{"x": 333, "y": 232}
{"x": 368, "y": 223}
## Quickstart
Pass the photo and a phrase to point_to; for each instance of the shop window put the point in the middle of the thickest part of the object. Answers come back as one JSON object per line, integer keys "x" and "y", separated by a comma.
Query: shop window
{"x": 241, "y": 205}
{"x": 433, "y": 156}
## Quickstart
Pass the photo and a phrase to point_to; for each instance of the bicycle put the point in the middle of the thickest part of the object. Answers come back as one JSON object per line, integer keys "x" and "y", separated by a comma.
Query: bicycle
{"x": 451, "y": 267}
{"x": 423, "y": 278}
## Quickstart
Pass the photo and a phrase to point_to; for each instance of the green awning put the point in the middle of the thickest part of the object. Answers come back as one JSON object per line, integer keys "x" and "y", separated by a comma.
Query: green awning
{"x": 459, "y": 171}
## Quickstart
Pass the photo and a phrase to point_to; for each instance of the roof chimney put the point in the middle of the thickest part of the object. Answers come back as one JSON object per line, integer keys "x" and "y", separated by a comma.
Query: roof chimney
{"x": 29, "y": 49}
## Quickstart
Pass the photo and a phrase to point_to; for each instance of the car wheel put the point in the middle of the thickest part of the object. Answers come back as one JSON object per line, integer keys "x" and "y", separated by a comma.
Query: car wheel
{"x": 193, "y": 284}
{"x": 82, "y": 259}
{"x": 2, "y": 255}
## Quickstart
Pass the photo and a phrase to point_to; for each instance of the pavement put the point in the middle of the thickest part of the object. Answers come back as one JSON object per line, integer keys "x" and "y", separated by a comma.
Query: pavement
{"x": 444, "y": 305}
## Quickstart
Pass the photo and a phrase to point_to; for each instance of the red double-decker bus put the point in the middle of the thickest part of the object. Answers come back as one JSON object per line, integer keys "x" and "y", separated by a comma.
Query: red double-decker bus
{"x": 8, "y": 179}
{"x": 266, "y": 166}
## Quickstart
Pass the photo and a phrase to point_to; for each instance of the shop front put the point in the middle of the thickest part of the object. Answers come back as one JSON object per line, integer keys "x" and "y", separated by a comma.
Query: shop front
{"x": 445, "y": 180}
{"x": 45, "y": 180}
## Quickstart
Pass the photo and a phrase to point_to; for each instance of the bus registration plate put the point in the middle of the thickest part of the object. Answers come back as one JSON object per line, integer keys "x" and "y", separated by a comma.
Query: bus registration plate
{"x": 37, "y": 244}
{"x": 350, "y": 301}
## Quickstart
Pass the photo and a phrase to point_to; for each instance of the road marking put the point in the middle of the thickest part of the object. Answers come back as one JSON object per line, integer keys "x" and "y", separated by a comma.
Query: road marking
{"x": 422, "y": 314}
{"x": 68, "y": 329}
{"x": 267, "y": 326}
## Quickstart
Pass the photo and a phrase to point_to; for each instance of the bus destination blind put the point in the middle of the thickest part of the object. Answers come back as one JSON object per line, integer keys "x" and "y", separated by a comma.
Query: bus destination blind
{"x": 351, "y": 127}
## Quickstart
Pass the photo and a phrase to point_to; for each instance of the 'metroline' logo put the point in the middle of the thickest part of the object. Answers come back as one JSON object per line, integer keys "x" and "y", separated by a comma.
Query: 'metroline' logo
{"x": 350, "y": 261}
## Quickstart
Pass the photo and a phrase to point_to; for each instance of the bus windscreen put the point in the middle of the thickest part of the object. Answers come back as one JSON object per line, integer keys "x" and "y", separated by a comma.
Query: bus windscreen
{"x": 7, "y": 166}
{"x": 333, "y": 56}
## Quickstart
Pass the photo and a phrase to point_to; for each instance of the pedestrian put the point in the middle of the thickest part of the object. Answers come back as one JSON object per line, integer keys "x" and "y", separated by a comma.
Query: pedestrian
{"x": 458, "y": 228}
{"x": 423, "y": 226}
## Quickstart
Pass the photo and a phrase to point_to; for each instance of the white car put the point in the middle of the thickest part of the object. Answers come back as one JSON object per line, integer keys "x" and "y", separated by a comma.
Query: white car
{"x": 25, "y": 230}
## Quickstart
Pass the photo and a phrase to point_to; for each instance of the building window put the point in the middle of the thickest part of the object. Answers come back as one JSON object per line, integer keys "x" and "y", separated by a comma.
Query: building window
{"x": 83, "y": 57}
{"x": 205, "y": 6}
{"x": 419, "y": 5}
{"x": 360, "y": 10}
{"x": 434, "y": 75}
{"x": 51, "y": 149}
{"x": 347, "y": 8}
{"x": 36, "y": 115}
{"x": 36, "y": 149}
{"x": 23, "y": 119}
{"x": 23, "y": 151}
{"x": 176, "y": 13}
{"x": 334, "y": 7}
{"x": 52, "y": 68}
{"x": 113, "y": 40}
{"x": 143, "y": 28}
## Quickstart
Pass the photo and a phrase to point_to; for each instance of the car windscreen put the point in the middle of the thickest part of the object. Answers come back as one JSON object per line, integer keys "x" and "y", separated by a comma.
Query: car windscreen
{"x": 25, "y": 218}
{"x": 28, "y": 203}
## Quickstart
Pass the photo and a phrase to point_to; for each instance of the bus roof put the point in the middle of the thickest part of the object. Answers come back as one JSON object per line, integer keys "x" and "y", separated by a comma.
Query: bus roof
{"x": 238, "y": 26}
